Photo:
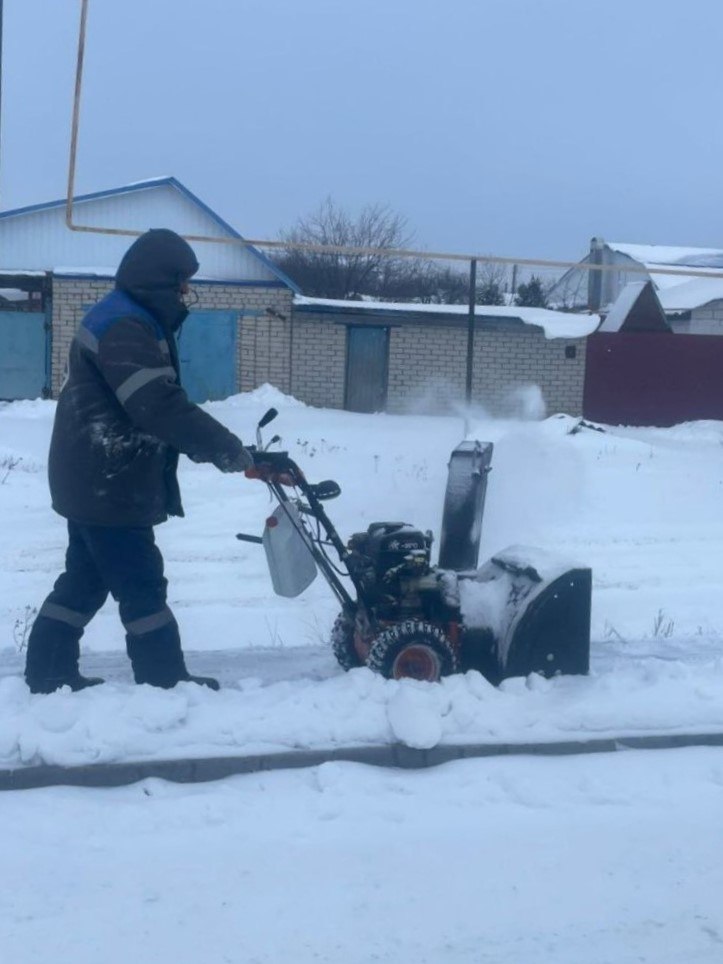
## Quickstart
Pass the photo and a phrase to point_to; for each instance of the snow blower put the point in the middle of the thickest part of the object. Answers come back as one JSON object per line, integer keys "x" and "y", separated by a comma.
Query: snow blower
{"x": 523, "y": 611}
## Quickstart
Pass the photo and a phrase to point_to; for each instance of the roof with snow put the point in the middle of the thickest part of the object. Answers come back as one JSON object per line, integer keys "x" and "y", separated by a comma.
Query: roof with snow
{"x": 678, "y": 292}
{"x": 36, "y": 237}
{"x": 691, "y": 294}
{"x": 637, "y": 308}
{"x": 668, "y": 255}
{"x": 555, "y": 324}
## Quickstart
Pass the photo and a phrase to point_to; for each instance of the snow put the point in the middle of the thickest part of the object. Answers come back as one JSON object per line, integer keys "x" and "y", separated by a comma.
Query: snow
{"x": 555, "y": 324}
{"x": 664, "y": 254}
{"x": 596, "y": 859}
{"x": 691, "y": 294}
{"x": 593, "y": 860}
{"x": 493, "y": 599}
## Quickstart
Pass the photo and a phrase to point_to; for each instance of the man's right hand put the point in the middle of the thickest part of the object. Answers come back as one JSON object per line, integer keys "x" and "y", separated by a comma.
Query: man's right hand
{"x": 238, "y": 462}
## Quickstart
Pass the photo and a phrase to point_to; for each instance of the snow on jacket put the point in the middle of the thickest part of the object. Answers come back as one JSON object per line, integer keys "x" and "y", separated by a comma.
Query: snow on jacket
{"x": 122, "y": 416}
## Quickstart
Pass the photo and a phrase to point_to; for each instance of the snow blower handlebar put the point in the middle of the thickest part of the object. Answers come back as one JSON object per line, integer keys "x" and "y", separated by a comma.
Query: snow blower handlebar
{"x": 275, "y": 468}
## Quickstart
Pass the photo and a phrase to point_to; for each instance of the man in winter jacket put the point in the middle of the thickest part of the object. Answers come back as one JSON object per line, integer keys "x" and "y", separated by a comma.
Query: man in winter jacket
{"x": 121, "y": 421}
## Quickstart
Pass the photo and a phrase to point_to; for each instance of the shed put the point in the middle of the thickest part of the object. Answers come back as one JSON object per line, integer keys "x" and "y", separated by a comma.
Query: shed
{"x": 383, "y": 356}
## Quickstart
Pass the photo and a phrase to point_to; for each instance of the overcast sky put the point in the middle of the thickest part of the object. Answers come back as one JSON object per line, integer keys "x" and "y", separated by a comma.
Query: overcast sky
{"x": 515, "y": 127}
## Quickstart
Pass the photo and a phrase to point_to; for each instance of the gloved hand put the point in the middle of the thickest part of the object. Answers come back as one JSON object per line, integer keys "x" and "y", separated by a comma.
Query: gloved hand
{"x": 268, "y": 473}
{"x": 238, "y": 462}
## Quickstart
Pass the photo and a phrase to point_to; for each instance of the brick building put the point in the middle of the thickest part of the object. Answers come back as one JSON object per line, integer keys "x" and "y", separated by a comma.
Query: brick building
{"x": 251, "y": 325}
{"x": 371, "y": 356}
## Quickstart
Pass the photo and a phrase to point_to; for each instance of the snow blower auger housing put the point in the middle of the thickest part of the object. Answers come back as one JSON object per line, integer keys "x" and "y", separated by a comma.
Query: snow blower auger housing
{"x": 524, "y": 611}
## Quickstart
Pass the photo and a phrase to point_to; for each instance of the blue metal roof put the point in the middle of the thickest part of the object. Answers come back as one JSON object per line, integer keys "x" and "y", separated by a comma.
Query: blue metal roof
{"x": 145, "y": 185}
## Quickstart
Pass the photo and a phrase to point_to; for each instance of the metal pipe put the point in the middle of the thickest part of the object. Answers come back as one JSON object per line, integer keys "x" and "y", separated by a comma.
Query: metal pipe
{"x": 470, "y": 327}
{"x": 76, "y": 113}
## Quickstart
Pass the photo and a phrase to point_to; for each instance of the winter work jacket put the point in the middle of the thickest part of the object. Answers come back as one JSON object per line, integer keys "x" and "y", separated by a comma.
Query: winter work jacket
{"x": 122, "y": 416}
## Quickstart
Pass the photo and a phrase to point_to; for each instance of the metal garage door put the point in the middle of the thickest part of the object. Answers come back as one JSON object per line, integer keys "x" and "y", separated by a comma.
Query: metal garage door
{"x": 23, "y": 355}
{"x": 366, "y": 369}
{"x": 207, "y": 351}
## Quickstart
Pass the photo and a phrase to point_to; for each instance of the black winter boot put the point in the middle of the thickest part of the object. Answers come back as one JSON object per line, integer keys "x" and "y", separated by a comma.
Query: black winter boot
{"x": 51, "y": 684}
{"x": 209, "y": 681}
{"x": 52, "y": 657}
{"x": 157, "y": 659}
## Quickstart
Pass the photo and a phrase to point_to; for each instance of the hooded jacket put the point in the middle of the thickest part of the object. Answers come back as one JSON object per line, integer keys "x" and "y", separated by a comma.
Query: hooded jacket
{"x": 122, "y": 416}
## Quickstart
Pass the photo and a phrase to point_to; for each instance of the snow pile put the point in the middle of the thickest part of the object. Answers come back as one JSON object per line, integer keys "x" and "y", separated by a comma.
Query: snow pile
{"x": 118, "y": 722}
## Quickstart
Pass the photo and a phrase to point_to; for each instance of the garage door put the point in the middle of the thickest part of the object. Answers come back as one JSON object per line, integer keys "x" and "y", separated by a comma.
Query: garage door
{"x": 23, "y": 355}
{"x": 366, "y": 368}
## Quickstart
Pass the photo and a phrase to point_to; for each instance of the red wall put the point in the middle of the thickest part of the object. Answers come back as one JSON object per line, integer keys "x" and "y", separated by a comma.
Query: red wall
{"x": 653, "y": 378}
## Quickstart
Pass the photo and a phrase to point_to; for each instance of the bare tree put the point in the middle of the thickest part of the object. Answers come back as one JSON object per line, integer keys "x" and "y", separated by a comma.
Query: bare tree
{"x": 342, "y": 275}
{"x": 377, "y": 275}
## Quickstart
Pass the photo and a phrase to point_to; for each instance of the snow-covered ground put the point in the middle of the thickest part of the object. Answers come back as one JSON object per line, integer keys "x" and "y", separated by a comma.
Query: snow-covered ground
{"x": 586, "y": 860}
{"x": 609, "y": 859}
{"x": 641, "y": 506}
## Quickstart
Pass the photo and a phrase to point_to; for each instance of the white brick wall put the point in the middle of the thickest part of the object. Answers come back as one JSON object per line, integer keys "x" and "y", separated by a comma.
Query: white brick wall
{"x": 428, "y": 366}
{"x": 264, "y": 340}
{"x": 428, "y": 369}
{"x": 706, "y": 320}
{"x": 318, "y": 367}
{"x": 306, "y": 356}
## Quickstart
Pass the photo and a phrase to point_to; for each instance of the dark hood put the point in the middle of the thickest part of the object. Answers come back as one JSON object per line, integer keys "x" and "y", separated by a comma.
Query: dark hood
{"x": 152, "y": 271}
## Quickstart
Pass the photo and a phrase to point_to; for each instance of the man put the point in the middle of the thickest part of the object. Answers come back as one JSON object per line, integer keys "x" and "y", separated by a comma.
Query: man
{"x": 121, "y": 421}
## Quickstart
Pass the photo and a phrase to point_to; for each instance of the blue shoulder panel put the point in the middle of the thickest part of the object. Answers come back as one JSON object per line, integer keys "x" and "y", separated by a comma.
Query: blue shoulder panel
{"x": 112, "y": 308}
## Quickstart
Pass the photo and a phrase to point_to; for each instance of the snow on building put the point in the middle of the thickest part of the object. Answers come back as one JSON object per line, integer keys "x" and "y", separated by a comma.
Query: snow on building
{"x": 692, "y": 303}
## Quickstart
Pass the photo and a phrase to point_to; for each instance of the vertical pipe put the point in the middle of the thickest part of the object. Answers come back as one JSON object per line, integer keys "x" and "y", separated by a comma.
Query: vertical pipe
{"x": 514, "y": 280}
{"x": 595, "y": 280}
{"x": 76, "y": 113}
{"x": 1, "y": 69}
{"x": 470, "y": 327}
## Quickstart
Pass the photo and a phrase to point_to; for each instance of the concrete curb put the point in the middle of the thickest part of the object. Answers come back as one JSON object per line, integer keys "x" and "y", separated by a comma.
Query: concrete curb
{"x": 397, "y": 755}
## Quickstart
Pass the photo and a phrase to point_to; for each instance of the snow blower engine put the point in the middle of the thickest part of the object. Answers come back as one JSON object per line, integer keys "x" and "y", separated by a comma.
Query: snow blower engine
{"x": 523, "y": 611}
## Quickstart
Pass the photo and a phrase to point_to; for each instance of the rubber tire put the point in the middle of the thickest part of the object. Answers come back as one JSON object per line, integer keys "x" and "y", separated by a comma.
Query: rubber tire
{"x": 388, "y": 645}
{"x": 342, "y": 641}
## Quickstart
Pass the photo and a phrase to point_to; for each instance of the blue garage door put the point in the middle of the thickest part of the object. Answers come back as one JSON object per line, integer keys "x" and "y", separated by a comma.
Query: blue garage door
{"x": 23, "y": 355}
{"x": 207, "y": 351}
{"x": 367, "y": 354}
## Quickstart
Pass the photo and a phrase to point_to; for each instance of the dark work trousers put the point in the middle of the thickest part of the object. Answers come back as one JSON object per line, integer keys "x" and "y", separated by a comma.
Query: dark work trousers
{"x": 127, "y": 563}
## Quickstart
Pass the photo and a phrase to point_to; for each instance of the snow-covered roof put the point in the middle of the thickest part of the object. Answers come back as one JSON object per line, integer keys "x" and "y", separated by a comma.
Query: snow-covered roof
{"x": 636, "y": 308}
{"x": 622, "y": 305}
{"x": 691, "y": 294}
{"x": 662, "y": 255}
{"x": 555, "y": 324}
{"x": 678, "y": 292}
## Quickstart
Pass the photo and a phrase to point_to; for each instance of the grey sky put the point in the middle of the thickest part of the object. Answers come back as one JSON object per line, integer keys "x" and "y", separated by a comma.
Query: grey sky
{"x": 519, "y": 127}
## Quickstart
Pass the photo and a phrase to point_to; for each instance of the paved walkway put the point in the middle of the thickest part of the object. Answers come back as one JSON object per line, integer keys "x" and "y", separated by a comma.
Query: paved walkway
{"x": 392, "y": 755}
